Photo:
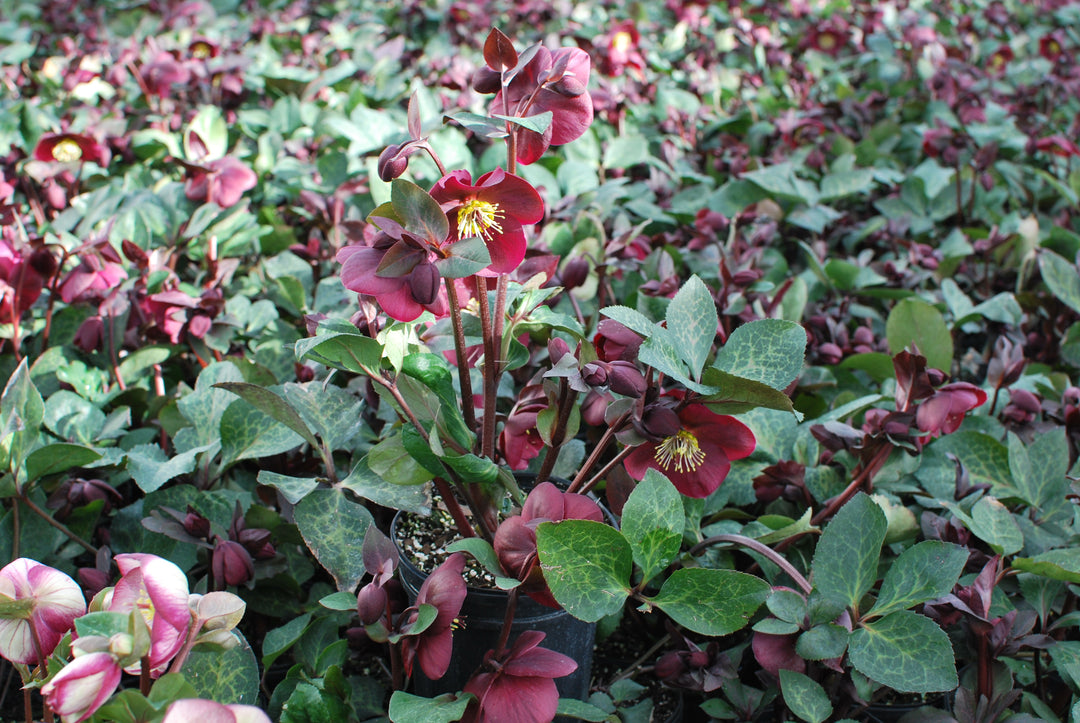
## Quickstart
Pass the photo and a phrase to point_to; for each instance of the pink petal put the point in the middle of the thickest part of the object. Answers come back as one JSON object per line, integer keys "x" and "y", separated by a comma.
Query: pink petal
{"x": 195, "y": 709}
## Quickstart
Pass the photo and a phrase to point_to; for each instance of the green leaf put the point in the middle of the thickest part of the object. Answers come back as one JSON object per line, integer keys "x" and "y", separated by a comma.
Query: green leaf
{"x": 362, "y": 482}
{"x": 661, "y": 355}
{"x": 419, "y": 212}
{"x": 535, "y": 123}
{"x": 652, "y": 522}
{"x": 626, "y": 151}
{"x": 804, "y": 697}
{"x": 408, "y": 708}
{"x": 1062, "y": 278}
{"x": 292, "y": 489}
{"x": 846, "y": 558}
{"x": 769, "y": 351}
{"x": 341, "y": 601}
{"x": 993, "y": 523}
{"x": 781, "y": 182}
{"x": 739, "y": 395}
{"x": 581, "y": 710}
{"x": 914, "y": 322}
{"x": 1043, "y": 486}
{"x": 846, "y": 183}
{"x": 692, "y": 321}
{"x": 331, "y": 412}
{"x": 484, "y": 553}
{"x": 1063, "y": 564}
{"x": 333, "y": 527}
{"x": 923, "y": 572}
{"x": 21, "y": 413}
{"x": 314, "y": 704}
{"x": 60, "y": 457}
{"x": 105, "y": 624}
{"x": 278, "y": 640}
{"x": 394, "y": 463}
{"x": 73, "y": 418}
{"x": 905, "y": 651}
{"x": 709, "y": 601}
{"x": 204, "y": 407}
{"x": 249, "y": 433}
{"x": 586, "y": 565}
{"x": 984, "y": 457}
{"x": 787, "y": 605}
{"x": 272, "y": 405}
{"x": 342, "y": 350}
{"x": 822, "y": 642}
{"x": 466, "y": 257}
{"x": 210, "y": 125}
{"x": 150, "y": 468}
{"x": 480, "y": 124}
{"x": 630, "y": 318}
{"x": 226, "y": 676}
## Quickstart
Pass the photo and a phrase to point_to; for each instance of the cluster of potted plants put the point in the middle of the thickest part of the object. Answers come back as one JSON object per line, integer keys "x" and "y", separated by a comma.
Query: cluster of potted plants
{"x": 687, "y": 360}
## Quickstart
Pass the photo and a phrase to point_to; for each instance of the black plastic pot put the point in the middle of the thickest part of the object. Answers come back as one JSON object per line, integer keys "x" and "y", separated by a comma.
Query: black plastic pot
{"x": 482, "y": 618}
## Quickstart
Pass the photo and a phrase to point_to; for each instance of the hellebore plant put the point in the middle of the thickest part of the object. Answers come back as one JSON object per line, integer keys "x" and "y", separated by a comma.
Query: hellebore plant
{"x": 147, "y": 622}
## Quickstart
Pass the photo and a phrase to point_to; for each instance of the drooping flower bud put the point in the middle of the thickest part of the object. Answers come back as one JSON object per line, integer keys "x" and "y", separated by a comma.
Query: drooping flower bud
{"x": 486, "y": 80}
{"x": 371, "y": 603}
{"x": 392, "y": 163}
{"x": 626, "y": 379}
{"x": 660, "y": 422}
{"x": 595, "y": 374}
{"x": 196, "y": 525}
{"x": 568, "y": 86}
{"x": 424, "y": 283}
{"x": 575, "y": 272}
{"x": 557, "y": 349}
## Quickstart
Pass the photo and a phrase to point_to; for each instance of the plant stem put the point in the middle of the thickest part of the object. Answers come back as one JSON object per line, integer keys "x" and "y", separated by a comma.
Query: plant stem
{"x": 629, "y": 670}
{"x": 508, "y": 621}
{"x": 465, "y": 529}
{"x": 144, "y": 676}
{"x": 490, "y": 387}
{"x": 597, "y": 452}
{"x": 863, "y": 478}
{"x": 558, "y": 432}
{"x": 189, "y": 643}
{"x": 623, "y": 454}
{"x": 57, "y": 524}
{"x": 761, "y": 548}
{"x": 464, "y": 379}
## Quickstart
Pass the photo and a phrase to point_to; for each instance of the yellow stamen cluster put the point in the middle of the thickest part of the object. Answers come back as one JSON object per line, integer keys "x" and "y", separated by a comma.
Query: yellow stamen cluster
{"x": 478, "y": 218}
{"x": 681, "y": 450}
{"x": 622, "y": 41}
{"x": 67, "y": 151}
{"x": 827, "y": 41}
{"x": 200, "y": 50}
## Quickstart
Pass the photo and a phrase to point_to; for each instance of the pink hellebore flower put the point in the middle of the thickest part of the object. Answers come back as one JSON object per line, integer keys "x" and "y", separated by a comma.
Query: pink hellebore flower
{"x": 445, "y": 589}
{"x": 943, "y": 412}
{"x": 398, "y": 270}
{"x": 22, "y": 277}
{"x": 99, "y": 272}
{"x": 521, "y": 688}
{"x": 70, "y": 148}
{"x": 82, "y": 686}
{"x": 495, "y": 209}
{"x": 697, "y": 457}
{"x": 55, "y": 601}
{"x": 158, "y": 589}
{"x": 515, "y": 540}
{"x": 208, "y": 711}
{"x": 221, "y": 181}
{"x": 550, "y": 81}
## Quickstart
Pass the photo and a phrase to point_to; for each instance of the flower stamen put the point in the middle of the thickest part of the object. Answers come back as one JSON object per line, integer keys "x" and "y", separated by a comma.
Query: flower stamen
{"x": 479, "y": 218}
{"x": 67, "y": 151}
{"x": 682, "y": 450}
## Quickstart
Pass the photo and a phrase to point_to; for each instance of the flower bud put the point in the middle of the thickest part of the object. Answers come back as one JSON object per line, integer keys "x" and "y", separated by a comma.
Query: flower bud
{"x": 936, "y": 376}
{"x": 557, "y": 349}
{"x": 626, "y": 379}
{"x": 595, "y": 374}
{"x": 424, "y": 283}
{"x": 660, "y": 422}
{"x": 196, "y": 525}
{"x": 391, "y": 163}
{"x": 746, "y": 277}
{"x": 575, "y": 272}
{"x": 231, "y": 563}
{"x": 486, "y": 80}
{"x": 43, "y": 262}
{"x": 568, "y": 86}
{"x": 257, "y": 542}
{"x": 371, "y": 603}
